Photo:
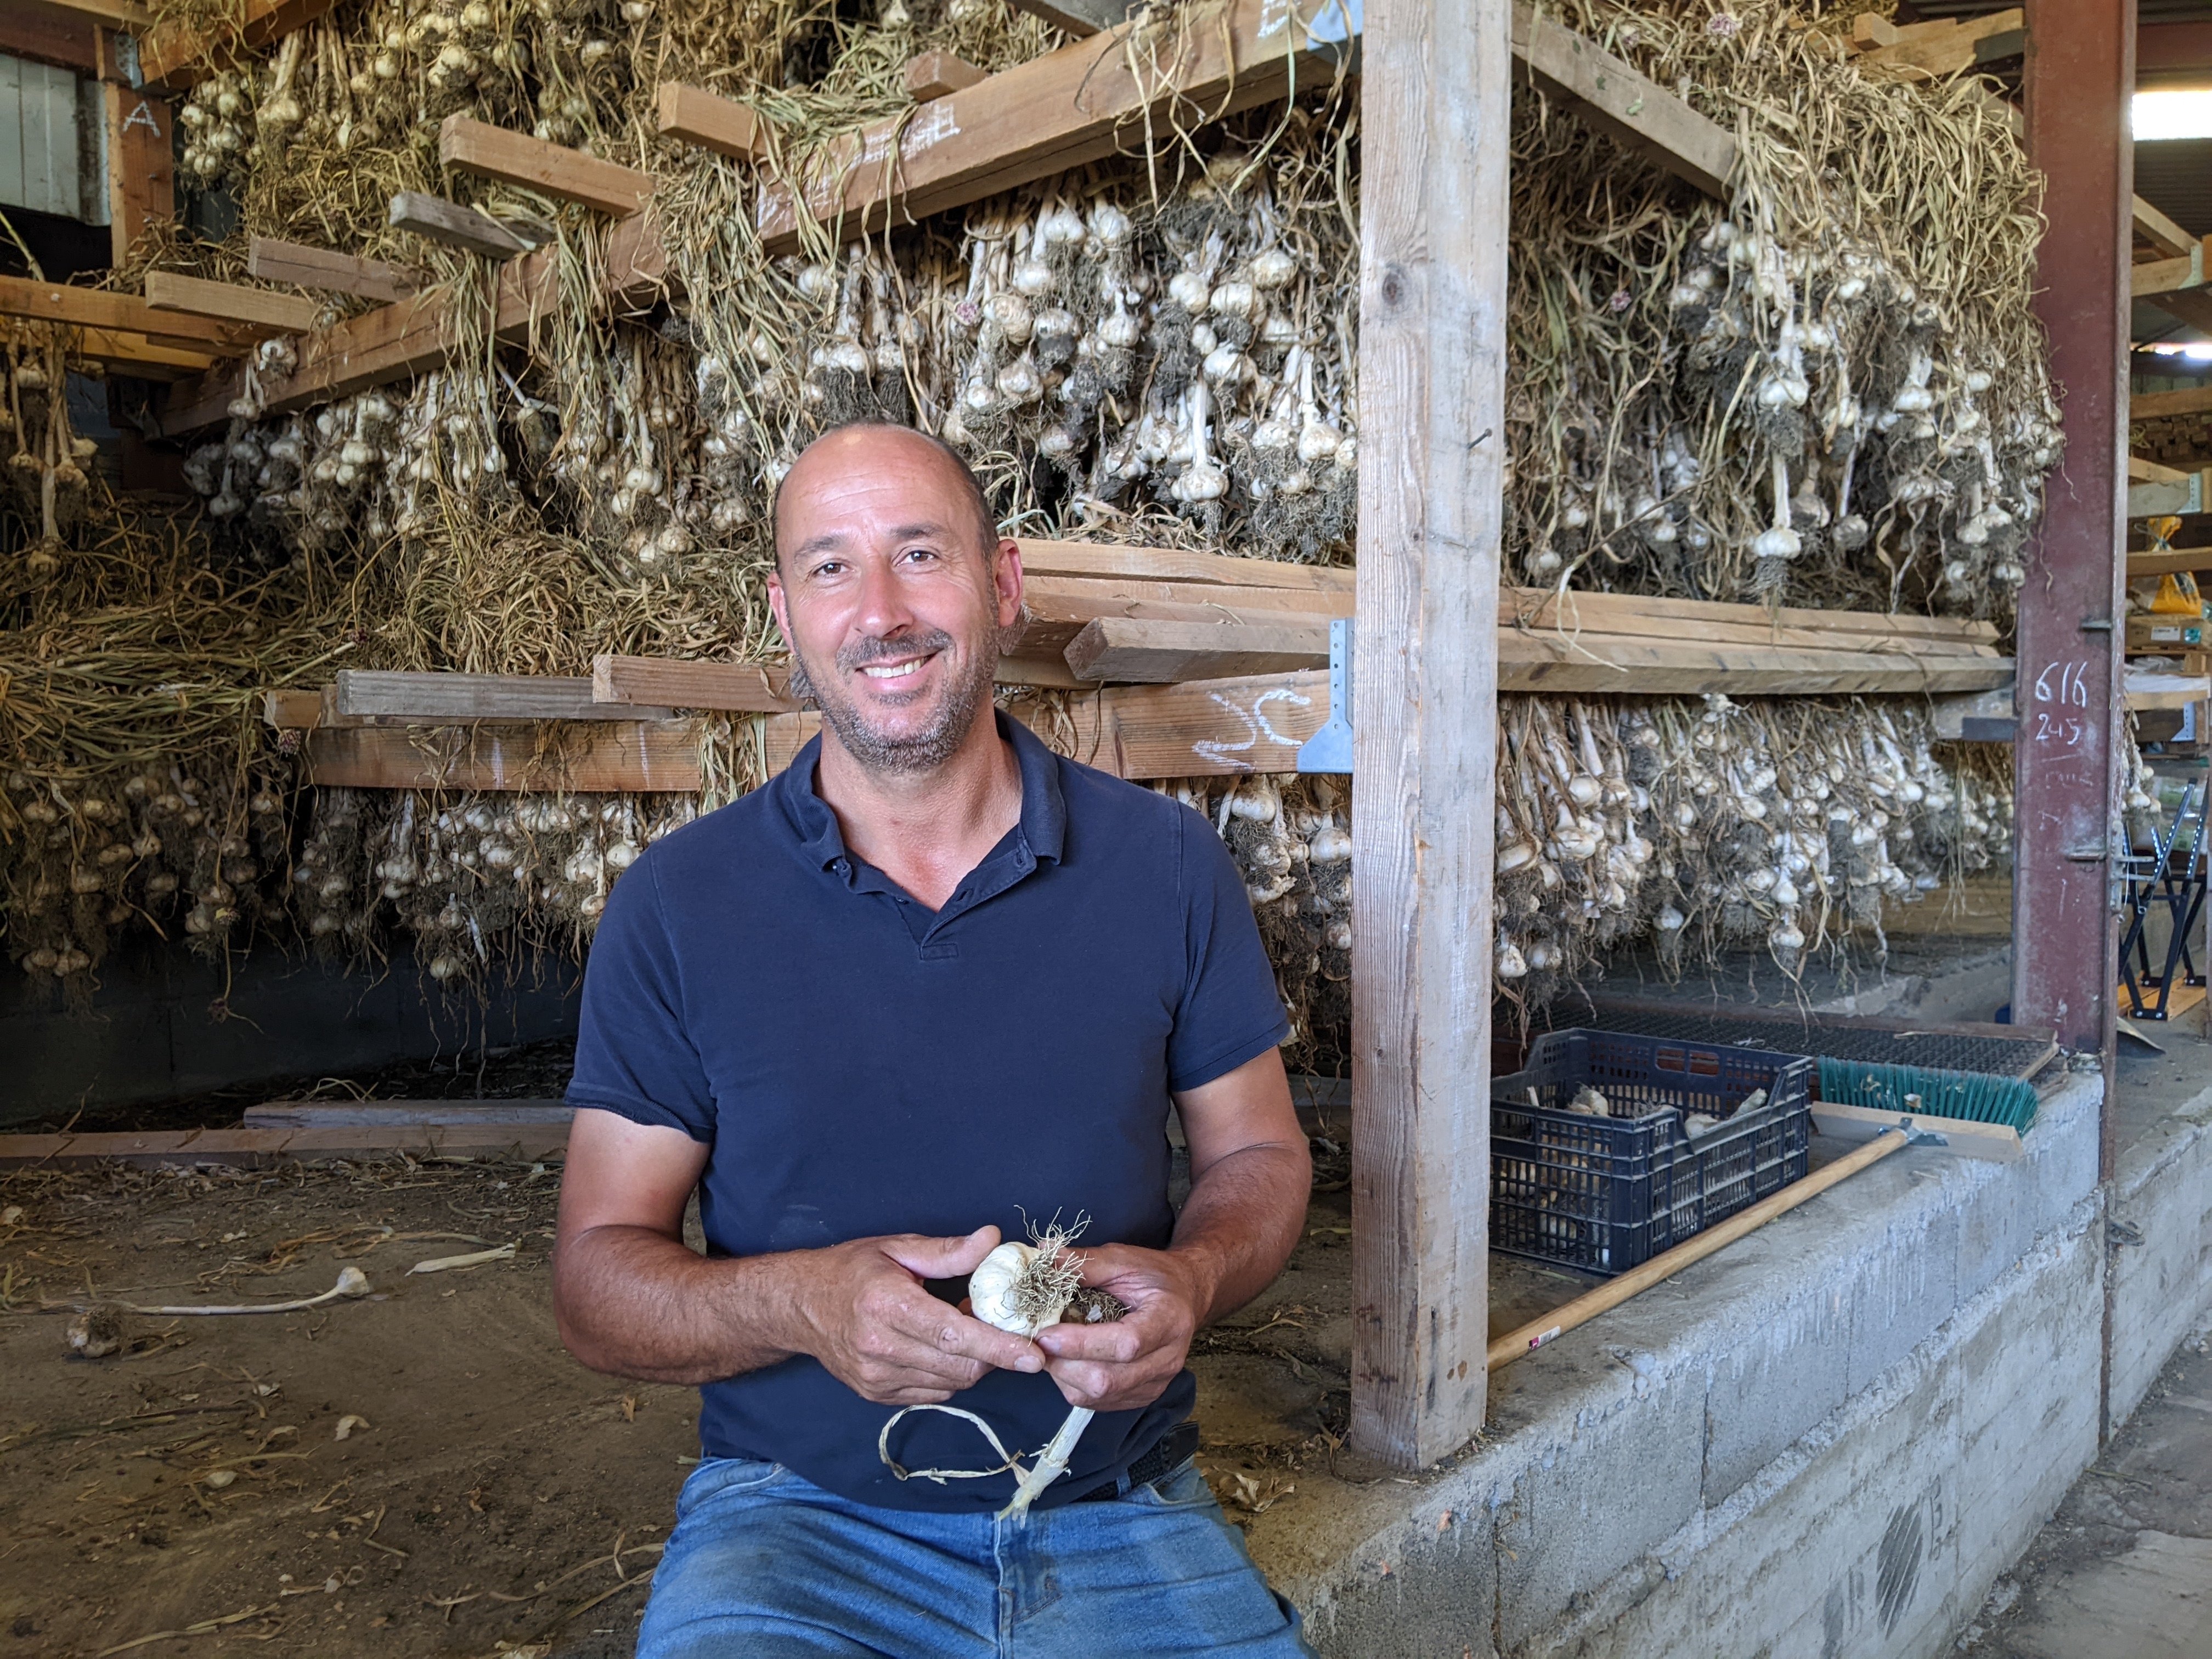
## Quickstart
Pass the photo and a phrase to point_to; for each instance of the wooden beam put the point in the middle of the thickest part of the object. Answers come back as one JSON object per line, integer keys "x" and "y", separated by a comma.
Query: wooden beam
{"x": 258, "y": 308}
{"x": 453, "y": 225}
{"x": 148, "y": 1147}
{"x": 2143, "y": 471}
{"x": 485, "y": 151}
{"x": 272, "y": 261}
{"x": 1058, "y": 607}
{"x": 937, "y": 75}
{"x": 2161, "y": 232}
{"x": 173, "y": 54}
{"x": 2172, "y": 562}
{"x": 2190, "y": 306}
{"x": 753, "y": 688}
{"x": 159, "y": 360}
{"x": 2145, "y": 694}
{"x": 401, "y": 340}
{"x": 629, "y": 755}
{"x": 48, "y": 34}
{"x": 721, "y": 124}
{"x": 1943, "y": 52}
{"x": 441, "y": 697}
{"x": 116, "y": 13}
{"x": 2149, "y": 278}
{"x": 123, "y": 313}
{"x": 1620, "y": 664}
{"x": 2157, "y": 405}
{"x": 1079, "y": 104}
{"x": 1164, "y": 564}
{"x": 1434, "y": 134}
{"x": 142, "y": 166}
{"x": 1126, "y": 651}
{"x": 1612, "y": 97}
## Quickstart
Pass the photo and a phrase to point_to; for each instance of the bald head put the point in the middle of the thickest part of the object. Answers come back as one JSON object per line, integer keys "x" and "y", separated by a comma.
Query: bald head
{"x": 862, "y": 447}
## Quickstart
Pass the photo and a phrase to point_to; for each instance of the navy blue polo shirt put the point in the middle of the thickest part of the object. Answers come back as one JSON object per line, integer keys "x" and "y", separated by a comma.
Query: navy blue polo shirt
{"x": 860, "y": 1064}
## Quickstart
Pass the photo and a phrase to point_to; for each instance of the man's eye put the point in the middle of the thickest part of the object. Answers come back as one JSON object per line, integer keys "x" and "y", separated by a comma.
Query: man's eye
{"x": 922, "y": 553}
{"x": 830, "y": 567}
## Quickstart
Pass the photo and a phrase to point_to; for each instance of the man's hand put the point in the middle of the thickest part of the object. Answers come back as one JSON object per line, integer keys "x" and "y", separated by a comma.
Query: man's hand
{"x": 877, "y": 1329}
{"x": 1129, "y": 1362}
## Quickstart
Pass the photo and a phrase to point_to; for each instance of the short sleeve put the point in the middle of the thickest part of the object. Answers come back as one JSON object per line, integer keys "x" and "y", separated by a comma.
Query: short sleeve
{"x": 633, "y": 1056}
{"x": 1230, "y": 1011}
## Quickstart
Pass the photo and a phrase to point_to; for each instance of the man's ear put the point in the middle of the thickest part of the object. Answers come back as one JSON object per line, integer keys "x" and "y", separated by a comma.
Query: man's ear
{"x": 778, "y": 601}
{"x": 1006, "y": 579}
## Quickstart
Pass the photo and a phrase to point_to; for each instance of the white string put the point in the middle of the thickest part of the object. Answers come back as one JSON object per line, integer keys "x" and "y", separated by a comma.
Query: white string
{"x": 940, "y": 1476}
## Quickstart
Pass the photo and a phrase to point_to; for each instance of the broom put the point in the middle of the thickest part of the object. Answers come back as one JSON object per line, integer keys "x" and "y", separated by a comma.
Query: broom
{"x": 1974, "y": 1097}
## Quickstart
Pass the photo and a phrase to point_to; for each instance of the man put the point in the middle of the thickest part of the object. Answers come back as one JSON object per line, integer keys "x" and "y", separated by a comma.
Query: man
{"x": 929, "y": 986}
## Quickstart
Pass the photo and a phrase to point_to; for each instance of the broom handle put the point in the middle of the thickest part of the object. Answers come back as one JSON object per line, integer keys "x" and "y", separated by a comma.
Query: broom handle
{"x": 1583, "y": 1309}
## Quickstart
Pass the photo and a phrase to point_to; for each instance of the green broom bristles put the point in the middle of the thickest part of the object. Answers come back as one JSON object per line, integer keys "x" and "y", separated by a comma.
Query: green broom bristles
{"x": 1972, "y": 1095}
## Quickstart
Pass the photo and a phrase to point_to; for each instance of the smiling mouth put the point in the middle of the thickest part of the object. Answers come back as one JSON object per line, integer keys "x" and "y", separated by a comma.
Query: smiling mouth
{"x": 894, "y": 670}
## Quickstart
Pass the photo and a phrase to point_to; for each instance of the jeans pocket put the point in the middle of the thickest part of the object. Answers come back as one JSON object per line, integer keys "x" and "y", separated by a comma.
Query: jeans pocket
{"x": 724, "y": 1477}
{"x": 1181, "y": 1488}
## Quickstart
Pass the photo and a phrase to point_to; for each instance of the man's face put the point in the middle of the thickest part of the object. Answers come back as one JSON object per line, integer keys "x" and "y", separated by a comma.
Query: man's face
{"x": 889, "y": 596}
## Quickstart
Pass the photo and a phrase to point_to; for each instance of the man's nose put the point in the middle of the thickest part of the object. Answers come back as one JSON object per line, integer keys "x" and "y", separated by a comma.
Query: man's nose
{"x": 883, "y": 608}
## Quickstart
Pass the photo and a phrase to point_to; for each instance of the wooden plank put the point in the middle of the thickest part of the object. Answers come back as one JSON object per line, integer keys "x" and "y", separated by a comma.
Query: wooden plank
{"x": 485, "y": 151}
{"x": 2149, "y": 278}
{"x": 2157, "y": 405}
{"x": 2192, "y": 306}
{"x": 1435, "y": 137}
{"x": 1871, "y": 28}
{"x": 2161, "y": 232}
{"x": 196, "y": 1146}
{"x": 1071, "y": 106}
{"x": 2166, "y": 501}
{"x": 1059, "y": 607}
{"x": 1544, "y": 661}
{"x": 1949, "y": 51}
{"x": 1164, "y": 564}
{"x": 628, "y": 757}
{"x": 937, "y": 75}
{"x": 443, "y": 697}
{"x": 273, "y": 261}
{"x": 453, "y": 225}
{"x": 175, "y": 55}
{"x": 257, "y": 308}
{"x": 1126, "y": 651}
{"x": 116, "y": 13}
{"x": 721, "y": 124}
{"x": 2144, "y": 693}
{"x": 2171, "y": 561}
{"x": 1624, "y": 611}
{"x": 403, "y": 339}
{"x": 142, "y": 166}
{"x": 404, "y": 1113}
{"x": 754, "y": 687}
{"x": 1048, "y": 670}
{"x": 1613, "y": 98}
{"x": 121, "y": 313}
{"x": 292, "y": 709}
{"x": 2143, "y": 471}
{"x": 153, "y": 359}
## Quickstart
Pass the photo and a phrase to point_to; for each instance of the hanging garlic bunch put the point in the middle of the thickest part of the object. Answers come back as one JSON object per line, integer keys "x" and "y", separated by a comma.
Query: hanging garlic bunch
{"x": 217, "y": 138}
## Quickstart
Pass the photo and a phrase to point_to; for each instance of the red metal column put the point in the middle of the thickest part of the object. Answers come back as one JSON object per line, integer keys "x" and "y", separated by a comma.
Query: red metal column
{"x": 2081, "y": 72}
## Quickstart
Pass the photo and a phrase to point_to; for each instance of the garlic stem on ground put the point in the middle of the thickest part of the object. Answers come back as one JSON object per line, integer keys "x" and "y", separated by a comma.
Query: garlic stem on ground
{"x": 352, "y": 1283}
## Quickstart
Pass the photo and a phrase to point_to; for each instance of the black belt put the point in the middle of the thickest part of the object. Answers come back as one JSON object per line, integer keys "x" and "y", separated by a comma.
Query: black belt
{"x": 1168, "y": 1454}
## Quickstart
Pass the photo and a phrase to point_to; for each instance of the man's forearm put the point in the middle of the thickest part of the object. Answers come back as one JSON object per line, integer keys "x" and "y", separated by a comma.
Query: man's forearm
{"x": 637, "y": 1303}
{"x": 1242, "y": 1221}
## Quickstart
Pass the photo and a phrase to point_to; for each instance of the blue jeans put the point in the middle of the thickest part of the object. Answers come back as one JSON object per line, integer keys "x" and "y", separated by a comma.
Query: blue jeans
{"x": 764, "y": 1563}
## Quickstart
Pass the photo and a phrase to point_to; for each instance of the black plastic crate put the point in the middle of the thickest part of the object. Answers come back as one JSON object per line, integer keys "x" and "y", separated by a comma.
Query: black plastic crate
{"x": 1607, "y": 1193}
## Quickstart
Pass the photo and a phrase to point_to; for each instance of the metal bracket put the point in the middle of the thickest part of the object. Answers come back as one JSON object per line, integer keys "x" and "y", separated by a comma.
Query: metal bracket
{"x": 1917, "y": 1136}
{"x": 1329, "y": 749}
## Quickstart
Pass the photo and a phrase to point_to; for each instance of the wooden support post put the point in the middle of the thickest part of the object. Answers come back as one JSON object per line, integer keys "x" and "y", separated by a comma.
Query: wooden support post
{"x": 1435, "y": 109}
{"x": 142, "y": 167}
{"x": 2081, "y": 72}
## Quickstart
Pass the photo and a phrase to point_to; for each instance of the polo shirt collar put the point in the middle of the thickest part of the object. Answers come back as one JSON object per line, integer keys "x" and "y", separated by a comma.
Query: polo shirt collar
{"x": 1041, "y": 832}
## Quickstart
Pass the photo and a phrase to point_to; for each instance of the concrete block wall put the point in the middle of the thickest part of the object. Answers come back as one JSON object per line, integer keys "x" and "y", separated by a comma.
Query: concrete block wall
{"x": 1828, "y": 1440}
{"x": 2160, "y": 1249}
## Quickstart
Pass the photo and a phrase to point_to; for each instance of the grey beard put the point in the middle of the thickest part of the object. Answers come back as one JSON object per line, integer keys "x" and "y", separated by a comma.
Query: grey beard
{"x": 919, "y": 752}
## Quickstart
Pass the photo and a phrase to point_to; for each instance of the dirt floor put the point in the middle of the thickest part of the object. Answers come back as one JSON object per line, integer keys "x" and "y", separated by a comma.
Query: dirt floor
{"x": 194, "y": 1492}
{"x": 2123, "y": 1571}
